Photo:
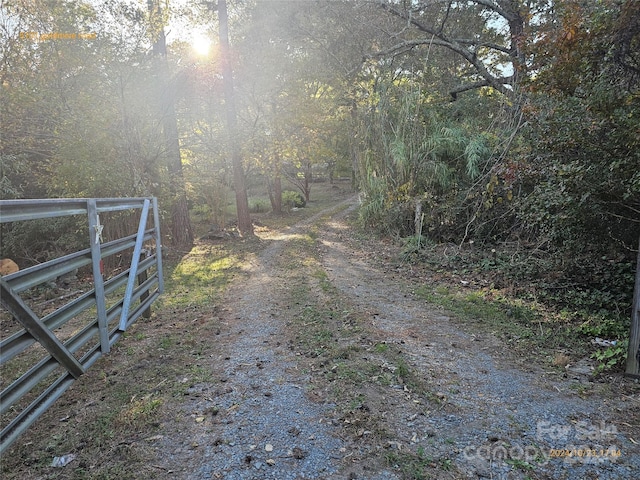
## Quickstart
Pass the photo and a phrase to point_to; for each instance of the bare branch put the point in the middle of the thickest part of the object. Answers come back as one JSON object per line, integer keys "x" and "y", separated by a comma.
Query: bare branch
{"x": 469, "y": 86}
{"x": 440, "y": 39}
{"x": 491, "y": 5}
{"x": 493, "y": 46}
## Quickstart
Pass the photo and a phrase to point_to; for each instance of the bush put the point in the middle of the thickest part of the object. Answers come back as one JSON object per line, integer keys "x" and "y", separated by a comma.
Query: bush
{"x": 292, "y": 199}
{"x": 38, "y": 241}
{"x": 258, "y": 206}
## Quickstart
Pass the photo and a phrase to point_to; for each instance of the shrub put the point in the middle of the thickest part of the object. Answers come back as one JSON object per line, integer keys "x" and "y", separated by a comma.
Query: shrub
{"x": 258, "y": 206}
{"x": 291, "y": 199}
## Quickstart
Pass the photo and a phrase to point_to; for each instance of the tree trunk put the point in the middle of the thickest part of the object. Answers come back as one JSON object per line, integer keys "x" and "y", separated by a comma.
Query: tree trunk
{"x": 275, "y": 193}
{"x": 308, "y": 176}
{"x": 242, "y": 203}
{"x": 181, "y": 232}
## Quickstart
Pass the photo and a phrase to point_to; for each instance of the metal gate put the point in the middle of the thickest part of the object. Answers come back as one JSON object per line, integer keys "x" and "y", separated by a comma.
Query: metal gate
{"x": 42, "y": 354}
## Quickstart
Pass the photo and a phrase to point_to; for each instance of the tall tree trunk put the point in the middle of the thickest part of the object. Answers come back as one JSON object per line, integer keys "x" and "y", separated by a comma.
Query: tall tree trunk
{"x": 275, "y": 192}
{"x": 181, "y": 231}
{"x": 242, "y": 203}
{"x": 308, "y": 176}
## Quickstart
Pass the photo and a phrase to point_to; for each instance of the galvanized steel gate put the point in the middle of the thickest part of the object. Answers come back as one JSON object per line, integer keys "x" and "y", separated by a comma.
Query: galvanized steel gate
{"x": 46, "y": 355}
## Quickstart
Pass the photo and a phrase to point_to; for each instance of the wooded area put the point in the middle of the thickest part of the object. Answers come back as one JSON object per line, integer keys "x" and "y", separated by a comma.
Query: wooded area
{"x": 512, "y": 126}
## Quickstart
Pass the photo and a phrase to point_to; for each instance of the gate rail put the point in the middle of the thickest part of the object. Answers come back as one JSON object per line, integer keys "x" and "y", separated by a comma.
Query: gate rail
{"x": 74, "y": 355}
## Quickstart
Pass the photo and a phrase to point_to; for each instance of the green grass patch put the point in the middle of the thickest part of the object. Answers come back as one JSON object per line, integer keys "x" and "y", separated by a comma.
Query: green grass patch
{"x": 526, "y": 327}
{"x": 413, "y": 465}
{"x": 323, "y": 280}
{"x": 201, "y": 277}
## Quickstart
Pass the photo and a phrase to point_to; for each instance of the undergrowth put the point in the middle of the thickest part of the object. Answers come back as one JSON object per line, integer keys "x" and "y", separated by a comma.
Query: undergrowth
{"x": 538, "y": 304}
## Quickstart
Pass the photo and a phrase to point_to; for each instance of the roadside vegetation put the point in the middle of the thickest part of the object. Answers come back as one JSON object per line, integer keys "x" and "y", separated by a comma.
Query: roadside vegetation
{"x": 493, "y": 144}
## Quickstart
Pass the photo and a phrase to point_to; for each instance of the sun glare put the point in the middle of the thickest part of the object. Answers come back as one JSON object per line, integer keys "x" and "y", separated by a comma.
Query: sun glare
{"x": 201, "y": 44}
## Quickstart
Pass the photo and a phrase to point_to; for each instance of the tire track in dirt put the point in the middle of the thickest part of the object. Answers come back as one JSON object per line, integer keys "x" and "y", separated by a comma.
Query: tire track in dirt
{"x": 493, "y": 421}
{"x": 258, "y": 422}
{"x": 496, "y": 421}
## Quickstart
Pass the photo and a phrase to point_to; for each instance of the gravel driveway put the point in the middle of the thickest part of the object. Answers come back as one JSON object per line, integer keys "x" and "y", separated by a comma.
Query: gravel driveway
{"x": 494, "y": 418}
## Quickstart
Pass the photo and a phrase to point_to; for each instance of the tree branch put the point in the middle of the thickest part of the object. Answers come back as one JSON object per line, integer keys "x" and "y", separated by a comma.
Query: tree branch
{"x": 465, "y": 88}
{"x": 491, "y": 5}
{"x": 440, "y": 39}
{"x": 493, "y": 46}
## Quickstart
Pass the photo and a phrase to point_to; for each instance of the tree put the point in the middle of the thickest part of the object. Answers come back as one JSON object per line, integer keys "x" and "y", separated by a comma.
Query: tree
{"x": 581, "y": 178}
{"x": 473, "y": 30}
{"x": 181, "y": 232}
{"x": 242, "y": 204}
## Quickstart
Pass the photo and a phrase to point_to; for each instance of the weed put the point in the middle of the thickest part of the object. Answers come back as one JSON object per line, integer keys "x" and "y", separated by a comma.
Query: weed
{"x": 139, "y": 412}
{"x": 413, "y": 245}
{"x": 402, "y": 369}
{"x": 611, "y": 357}
{"x": 167, "y": 342}
{"x": 411, "y": 465}
{"x": 519, "y": 464}
{"x": 323, "y": 279}
{"x": 446, "y": 464}
{"x": 381, "y": 347}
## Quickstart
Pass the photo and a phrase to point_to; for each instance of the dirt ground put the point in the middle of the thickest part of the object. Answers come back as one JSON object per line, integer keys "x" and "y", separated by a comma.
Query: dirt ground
{"x": 321, "y": 362}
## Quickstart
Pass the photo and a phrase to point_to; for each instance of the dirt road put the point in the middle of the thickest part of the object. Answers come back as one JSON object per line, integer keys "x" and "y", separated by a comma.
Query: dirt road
{"x": 329, "y": 367}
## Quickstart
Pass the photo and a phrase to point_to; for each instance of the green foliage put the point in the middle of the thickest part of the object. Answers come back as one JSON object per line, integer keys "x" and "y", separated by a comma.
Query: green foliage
{"x": 258, "y": 206}
{"x": 413, "y": 244}
{"x": 605, "y": 326}
{"x": 13, "y": 170}
{"x": 416, "y": 150}
{"x": 38, "y": 241}
{"x": 583, "y": 177}
{"x": 291, "y": 199}
{"x": 611, "y": 357}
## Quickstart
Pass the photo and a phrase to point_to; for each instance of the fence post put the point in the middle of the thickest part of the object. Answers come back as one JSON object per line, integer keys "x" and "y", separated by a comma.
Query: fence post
{"x": 95, "y": 237}
{"x": 633, "y": 355}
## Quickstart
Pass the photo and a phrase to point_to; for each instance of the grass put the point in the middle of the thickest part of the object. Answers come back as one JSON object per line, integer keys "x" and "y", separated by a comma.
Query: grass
{"x": 415, "y": 466}
{"x": 201, "y": 276}
{"x": 353, "y": 367}
{"x": 527, "y": 327}
{"x": 128, "y": 395}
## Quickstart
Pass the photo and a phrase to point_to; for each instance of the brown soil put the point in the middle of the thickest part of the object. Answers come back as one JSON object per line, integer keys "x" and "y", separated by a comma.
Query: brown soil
{"x": 321, "y": 362}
